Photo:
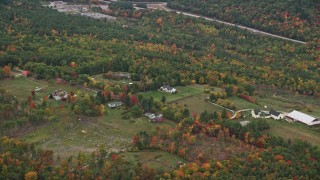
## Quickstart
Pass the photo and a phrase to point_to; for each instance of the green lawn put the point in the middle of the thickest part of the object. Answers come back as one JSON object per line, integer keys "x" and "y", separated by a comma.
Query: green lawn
{"x": 154, "y": 159}
{"x": 243, "y": 104}
{"x": 197, "y": 104}
{"x": 183, "y": 91}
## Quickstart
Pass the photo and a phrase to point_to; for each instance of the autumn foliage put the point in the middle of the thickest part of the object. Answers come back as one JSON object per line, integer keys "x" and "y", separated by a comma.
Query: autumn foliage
{"x": 247, "y": 98}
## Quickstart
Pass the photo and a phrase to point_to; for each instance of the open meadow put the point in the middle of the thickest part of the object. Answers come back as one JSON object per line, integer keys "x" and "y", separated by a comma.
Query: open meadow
{"x": 75, "y": 133}
{"x": 294, "y": 130}
{"x": 197, "y": 104}
{"x": 22, "y": 87}
{"x": 68, "y": 132}
{"x": 155, "y": 159}
{"x": 183, "y": 92}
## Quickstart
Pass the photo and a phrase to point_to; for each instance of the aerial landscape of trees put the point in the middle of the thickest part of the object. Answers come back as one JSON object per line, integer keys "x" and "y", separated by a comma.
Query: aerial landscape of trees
{"x": 293, "y": 19}
{"x": 156, "y": 48}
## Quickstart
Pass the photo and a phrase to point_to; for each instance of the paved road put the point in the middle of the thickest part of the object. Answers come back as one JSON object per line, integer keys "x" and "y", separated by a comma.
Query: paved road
{"x": 163, "y": 6}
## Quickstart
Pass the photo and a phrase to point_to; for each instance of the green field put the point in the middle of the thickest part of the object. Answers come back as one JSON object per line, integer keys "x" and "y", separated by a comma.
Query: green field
{"x": 183, "y": 91}
{"x": 154, "y": 159}
{"x": 197, "y": 104}
{"x": 77, "y": 133}
{"x": 294, "y": 131}
{"x": 71, "y": 133}
{"x": 22, "y": 87}
{"x": 243, "y": 104}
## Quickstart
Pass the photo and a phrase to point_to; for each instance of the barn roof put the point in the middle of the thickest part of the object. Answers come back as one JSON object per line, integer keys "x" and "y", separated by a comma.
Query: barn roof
{"x": 304, "y": 118}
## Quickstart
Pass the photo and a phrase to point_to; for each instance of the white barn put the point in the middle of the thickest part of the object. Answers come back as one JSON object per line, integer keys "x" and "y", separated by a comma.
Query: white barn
{"x": 304, "y": 118}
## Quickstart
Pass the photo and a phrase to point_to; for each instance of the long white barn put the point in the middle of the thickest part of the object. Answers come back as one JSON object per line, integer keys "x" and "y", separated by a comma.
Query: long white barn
{"x": 304, "y": 118}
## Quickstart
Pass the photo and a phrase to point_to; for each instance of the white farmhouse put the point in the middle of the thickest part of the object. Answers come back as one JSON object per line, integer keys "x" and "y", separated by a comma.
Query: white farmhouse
{"x": 168, "y": 89}
{"x": 275, "y": 115}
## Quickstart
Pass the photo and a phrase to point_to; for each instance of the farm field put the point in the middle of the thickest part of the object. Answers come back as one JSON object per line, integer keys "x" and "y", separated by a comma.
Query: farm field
{"x": 22, "y": 87}
{"x": 197, "y": 104}
{"x": 294, "y": 131}
{"x": 67, "y": 132}
{"x": 74, "y": 133}
{"x": 154, "y": 159}
{"x": 183, "y": 92}
{"x": 278, "y": 104}
{"x": 243, "y": 104}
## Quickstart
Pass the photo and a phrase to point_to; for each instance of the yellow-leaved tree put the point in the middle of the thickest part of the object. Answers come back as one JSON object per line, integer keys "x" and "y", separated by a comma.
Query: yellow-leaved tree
{"x": 31, "y": 176}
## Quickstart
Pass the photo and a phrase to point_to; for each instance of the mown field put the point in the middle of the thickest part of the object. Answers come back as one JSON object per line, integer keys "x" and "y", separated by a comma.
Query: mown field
{"x": 294, "y": 131}
{"x": 197, "y": 104}
{"x": 183, "y": 92}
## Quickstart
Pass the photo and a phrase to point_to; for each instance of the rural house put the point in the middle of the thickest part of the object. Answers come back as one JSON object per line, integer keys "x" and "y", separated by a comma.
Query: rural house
{"x": 256, "y": 113}
{"x": 59, "y": 95}
{"x": 275, "y": 115}
{"x": 154, "y": 118}
{"x": 114, "y": 104}
{"x": 168, "y": 89}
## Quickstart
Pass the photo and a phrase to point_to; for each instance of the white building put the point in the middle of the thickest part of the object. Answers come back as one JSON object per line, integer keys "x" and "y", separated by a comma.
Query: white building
{"x": 275, "y": 115}
{"x": 304, "y": 118}
{"x": 114, "y": 104}
{"x": 168, "y": 89}
{"x": 56, "y": 3}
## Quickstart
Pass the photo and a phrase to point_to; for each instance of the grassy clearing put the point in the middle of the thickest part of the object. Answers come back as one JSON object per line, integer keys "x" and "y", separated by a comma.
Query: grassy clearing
{"x": 183, "y": 91}
{"x": 287, "y": 105}
{"x": 243, "y": 104}
{"x": 293, "y": 131}
{"x": 22, "y": 87}
{"x": 197, "y": 104}
{"x": 154, "y": 159}
{"x": 276, "y": 103}
{"x": 70, "y": 135}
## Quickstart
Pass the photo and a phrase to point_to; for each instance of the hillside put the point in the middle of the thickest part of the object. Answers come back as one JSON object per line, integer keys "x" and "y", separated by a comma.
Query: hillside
{"x": 80, "y": 98}
{"x": 172, "y": 48}
{"x": 290, "y": 18}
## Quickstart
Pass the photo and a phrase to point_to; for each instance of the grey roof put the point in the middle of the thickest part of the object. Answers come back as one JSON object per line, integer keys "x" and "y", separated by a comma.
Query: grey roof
{"x": 114, "y": 104}
{"x": 275, "y": 113}
{"x": 257, "y": 111}
{"x": 167, "y": 87}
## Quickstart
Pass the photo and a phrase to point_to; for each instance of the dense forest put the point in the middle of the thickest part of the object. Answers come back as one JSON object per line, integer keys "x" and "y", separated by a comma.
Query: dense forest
{"x": 290, "y": 18}
{"x": 156, "y": 48}
{"x": 159, "y": 47}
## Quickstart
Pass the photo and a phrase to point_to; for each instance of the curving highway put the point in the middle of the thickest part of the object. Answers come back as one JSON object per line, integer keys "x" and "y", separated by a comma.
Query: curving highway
{"x": 163, "y": 6}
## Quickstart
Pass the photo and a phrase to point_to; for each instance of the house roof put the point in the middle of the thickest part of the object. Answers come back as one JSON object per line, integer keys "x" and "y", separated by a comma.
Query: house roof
{"x": 256, "y": 111}
{"x": 116, "y": 103}
{"x": 167, "y": 87}
{"x": 273, "y": 112}
{"x": 304, "y": 118}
